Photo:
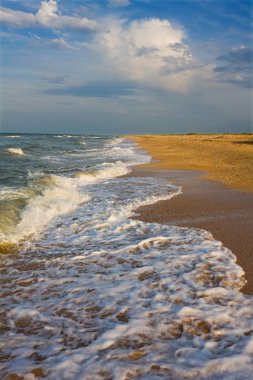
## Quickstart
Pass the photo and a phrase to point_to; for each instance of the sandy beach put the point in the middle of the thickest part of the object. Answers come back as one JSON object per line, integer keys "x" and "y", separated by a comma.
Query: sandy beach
{"x": 220, "y": 206}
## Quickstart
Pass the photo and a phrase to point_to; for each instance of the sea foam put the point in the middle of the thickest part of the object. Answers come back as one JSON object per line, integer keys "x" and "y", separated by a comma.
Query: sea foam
{"x": 15, "y": 151}
{"x": 12, "y": 136}
{"x": 125, "y": 298}
{"x": 59, "y": 197}
{"x": 106, "y": 171}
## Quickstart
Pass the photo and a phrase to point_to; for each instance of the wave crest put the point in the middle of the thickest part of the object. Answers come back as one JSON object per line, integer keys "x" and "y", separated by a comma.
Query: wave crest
{"x": 15, "y": 151}
{"x": 59, "y": 197}
{"x": 109, "y": 171}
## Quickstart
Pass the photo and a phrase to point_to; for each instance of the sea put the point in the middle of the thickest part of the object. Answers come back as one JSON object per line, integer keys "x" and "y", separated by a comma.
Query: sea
{"x": 87, "y": 292}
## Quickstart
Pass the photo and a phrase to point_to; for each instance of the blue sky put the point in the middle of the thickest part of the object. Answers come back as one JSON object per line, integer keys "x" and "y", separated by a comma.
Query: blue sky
{"x": 126, "y": 66}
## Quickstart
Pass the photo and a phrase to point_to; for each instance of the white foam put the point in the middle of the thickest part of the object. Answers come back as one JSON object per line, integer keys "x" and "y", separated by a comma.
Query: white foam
{"x": 59, "y": 198}
{"x": 35, "y": 173}
{"x": 128, "y": 306}
{"x": 10, "y": 193}
{"x": 116, "y": 141}
{"x": 108, "y": 171}
{"x": 12, "y": 137}
{"x": 20, "y": 313}
{"x": 15, "y": 151}
{"x": 119, "y": 148}
{"x": 64, "y": 136}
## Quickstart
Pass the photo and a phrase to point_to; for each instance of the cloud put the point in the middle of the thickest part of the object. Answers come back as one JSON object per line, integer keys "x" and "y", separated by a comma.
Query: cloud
{"x": 58, "y": 79}
{"x": 53, "y": 43}
{"x": 118, "y": 3}
{"x": 96, "y": 89}
{"x": 149, "y": 51}
{"x": 48, "y": 16}
{"x": 58, "y": 43}
{"x": 238, "y": 55}
{"x": 237, "y": 68}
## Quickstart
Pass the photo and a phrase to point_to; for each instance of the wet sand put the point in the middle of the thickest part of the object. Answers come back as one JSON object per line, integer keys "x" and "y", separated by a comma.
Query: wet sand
{"x": 207, "y": 204}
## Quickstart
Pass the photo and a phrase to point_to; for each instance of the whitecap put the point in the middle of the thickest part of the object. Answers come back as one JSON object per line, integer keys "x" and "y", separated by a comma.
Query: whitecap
{"x": 12, "y": 137}
{"x": 9, "y": 193}
{"x": 35, "y": 173}
{"x": 58, "y": 198}
{"x": 63, "y": 136}
{"x": 15, "y": 151}
{"x": 109, "y": 171}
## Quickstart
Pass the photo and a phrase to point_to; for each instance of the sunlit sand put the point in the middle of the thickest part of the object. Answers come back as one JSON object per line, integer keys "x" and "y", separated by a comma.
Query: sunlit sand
{"x": 227, "y": 158}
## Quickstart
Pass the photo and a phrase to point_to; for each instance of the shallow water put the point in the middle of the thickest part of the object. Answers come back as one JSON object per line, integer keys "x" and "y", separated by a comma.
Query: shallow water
{"x": 89, "y": 293}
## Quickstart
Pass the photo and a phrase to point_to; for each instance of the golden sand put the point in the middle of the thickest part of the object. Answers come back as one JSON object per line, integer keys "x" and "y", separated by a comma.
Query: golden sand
{"x": 227, "y": 158}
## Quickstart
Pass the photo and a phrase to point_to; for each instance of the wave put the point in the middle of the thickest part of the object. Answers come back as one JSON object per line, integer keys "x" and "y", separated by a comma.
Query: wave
{"x": 9, "y": 193}
{"x": 12, "y": 137}
{"x": 34, "y": 174}
{"x": 110, "y": 171}
{"x": 117, "y": 216}
{"x": 16, "y": 151}
{"x": 119, "y": 148}
{"x": 63, "y": 136}
{"x": 116, "y": 141}
{"x": 59, "y": 196}
{"x": 97, "y": 137}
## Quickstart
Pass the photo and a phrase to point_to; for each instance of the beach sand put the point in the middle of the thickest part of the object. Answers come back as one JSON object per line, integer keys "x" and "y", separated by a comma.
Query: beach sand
{"x": 226, "y": 212}
{"x": 226, "y": 158}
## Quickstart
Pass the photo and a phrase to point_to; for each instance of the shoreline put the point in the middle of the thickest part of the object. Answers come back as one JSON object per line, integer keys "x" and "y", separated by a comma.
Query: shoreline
{"x": 207, "y": 204}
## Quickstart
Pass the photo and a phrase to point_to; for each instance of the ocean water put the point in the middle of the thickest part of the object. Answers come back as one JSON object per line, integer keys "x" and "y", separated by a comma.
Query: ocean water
{"x": 88, "y": 293}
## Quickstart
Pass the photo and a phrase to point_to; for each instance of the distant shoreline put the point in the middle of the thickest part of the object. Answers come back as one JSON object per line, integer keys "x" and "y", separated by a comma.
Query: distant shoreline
{"x": 225, "y": 212}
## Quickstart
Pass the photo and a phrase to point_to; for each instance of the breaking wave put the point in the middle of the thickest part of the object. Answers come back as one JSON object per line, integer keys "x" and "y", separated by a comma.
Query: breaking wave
{"x": 107, "y": 171}
{"x": 58, "y": 196}
{"x": 11, "y": 136}
{"x": 16, "y": 151}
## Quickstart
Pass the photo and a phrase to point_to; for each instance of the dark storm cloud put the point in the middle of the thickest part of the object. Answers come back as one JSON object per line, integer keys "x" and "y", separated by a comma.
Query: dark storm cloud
{"x": 240, "y": 55}
{"x": 237, "y": 68}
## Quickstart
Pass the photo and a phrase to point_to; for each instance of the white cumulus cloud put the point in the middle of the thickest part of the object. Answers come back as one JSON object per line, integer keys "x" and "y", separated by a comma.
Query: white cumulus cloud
{"x": 48, "y": 16}
{"x": 150, "y": 51}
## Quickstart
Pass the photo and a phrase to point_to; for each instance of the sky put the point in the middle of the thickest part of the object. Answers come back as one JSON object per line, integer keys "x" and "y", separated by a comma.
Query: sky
{"x": 126, "y": 66}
